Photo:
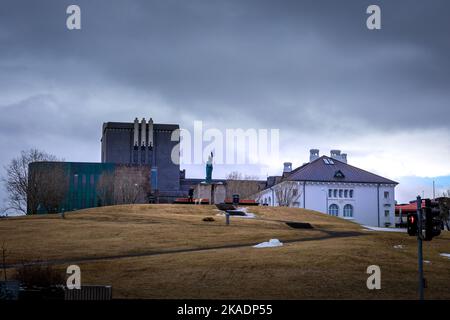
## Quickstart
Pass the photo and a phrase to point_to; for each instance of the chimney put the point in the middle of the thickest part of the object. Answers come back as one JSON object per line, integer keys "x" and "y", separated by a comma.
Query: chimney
{"x": 287, "y": 167}
{"x": 337, "y": 155}
{"x": 313, "y": 154}
{"x": 136, "y": 132}
{"x": 143, "y": 132}
{"x": 150, "y": 132}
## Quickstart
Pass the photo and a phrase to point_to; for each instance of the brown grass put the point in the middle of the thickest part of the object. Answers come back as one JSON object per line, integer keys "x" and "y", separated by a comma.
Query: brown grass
{"x": 321, "y": 266}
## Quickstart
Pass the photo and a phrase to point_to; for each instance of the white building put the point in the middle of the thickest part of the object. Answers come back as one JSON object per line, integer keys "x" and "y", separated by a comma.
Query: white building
{"x": 330, "y": 185}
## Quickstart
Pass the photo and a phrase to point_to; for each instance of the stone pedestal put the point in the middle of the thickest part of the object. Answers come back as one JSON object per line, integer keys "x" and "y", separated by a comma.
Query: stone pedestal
{"x": 219, "y": 193}
{"x": 214, "y": 192}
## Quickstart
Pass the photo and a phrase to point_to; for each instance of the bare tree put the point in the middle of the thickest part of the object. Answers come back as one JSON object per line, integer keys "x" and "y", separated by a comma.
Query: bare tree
{"x": 236, "y": 175}
{"x": 17, "y": 179}
{"x": 48, "y": 185}
{"x": 131, "y": 184}
{"x": 105, "y": 189}
{"x": 126, "y": 185}
{"x": 444, "y": 207}
{"x": 287, "y": 193}
{"x": 246, "y": 186}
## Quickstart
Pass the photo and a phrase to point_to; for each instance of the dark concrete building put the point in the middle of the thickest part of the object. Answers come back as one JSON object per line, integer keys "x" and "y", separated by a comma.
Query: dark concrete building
{"x": 140, "y": 163}
{"x": 146, "y": 143}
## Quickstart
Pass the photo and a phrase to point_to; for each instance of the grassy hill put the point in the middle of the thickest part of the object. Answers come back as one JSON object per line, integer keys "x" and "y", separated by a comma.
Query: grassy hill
{"x": 168, "y": 251}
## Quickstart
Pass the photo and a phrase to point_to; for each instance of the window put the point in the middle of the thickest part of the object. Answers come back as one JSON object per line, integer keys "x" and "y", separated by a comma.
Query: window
{"x": 386, "y": 194}
{"x": 386, "y": 213}
{"x": 333, "y": 210}
{"x": 340, "y": 193}
{"x": 339, "y": 174}
{"x": 335, "y": 193}
{"x": 345, "y": 193}
{"x": 351, "y": 193}
{"x": 75, "y": 181}
{"x": 294, "y": 192}
{"x": 348, "y": 211}
{"x": 330, "y": 193}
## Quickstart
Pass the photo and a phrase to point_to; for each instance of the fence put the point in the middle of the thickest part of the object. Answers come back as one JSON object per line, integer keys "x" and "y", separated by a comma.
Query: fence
{"x": 89, "y": 293}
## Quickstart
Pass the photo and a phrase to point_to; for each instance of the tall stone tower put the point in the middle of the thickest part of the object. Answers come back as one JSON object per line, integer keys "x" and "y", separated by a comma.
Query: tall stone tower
{"x": 145, "y": 143}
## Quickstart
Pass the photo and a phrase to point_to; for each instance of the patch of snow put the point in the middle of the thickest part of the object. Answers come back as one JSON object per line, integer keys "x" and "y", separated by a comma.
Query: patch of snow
{"x": 270, "y": 244}
{"x": 369, "y": 228}
{"x": 248, "y": 215}
{"x": 426, "y": 261}
{"x": 447, "y": 255}
{"x": 399, "y": 246}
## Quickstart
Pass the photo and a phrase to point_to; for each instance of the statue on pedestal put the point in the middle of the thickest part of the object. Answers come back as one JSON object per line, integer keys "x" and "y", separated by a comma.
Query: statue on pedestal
{"x": 209, "y": 168}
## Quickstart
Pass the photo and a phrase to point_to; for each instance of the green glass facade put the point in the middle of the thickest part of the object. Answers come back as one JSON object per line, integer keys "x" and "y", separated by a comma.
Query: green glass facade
{"x": 83, "y": 180}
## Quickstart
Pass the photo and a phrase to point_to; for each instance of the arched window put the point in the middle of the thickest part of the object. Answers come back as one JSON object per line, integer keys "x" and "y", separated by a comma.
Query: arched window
{"x": 345, "y": 193}
{"x": 340, "y": 193}
{"x": 348, "y": 211}
{"x": 333, "y": 210}
{"x": 335, "y": 193}
{"x": 351, "y": 193}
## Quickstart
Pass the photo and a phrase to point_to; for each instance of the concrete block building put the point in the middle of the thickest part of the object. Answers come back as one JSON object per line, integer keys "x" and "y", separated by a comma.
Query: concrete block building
{"x": 148, "y": 144}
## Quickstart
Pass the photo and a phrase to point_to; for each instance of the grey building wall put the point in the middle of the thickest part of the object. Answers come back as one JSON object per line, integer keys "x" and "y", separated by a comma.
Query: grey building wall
{"x": 118, "y": 146}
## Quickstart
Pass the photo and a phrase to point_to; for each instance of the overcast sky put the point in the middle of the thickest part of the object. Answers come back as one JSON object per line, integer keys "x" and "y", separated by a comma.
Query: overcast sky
{"x": 309, "y": 68}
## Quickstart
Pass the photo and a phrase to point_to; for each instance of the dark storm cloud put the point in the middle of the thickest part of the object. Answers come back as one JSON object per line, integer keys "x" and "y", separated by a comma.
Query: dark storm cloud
{"x": 312, "y": 60}
{"x": 307, "y": 67}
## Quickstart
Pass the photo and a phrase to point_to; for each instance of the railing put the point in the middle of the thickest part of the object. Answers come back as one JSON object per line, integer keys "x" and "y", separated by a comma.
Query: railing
{"x": 89, "y": 293}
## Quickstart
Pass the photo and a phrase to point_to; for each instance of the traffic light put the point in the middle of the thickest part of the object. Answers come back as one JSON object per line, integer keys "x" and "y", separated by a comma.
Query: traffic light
{"x": 432, "y": 221}
{"x": 412, "y": 224}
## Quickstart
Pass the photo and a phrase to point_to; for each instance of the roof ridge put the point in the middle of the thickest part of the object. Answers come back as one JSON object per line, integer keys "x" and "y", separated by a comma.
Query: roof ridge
{"x": 305, "y": 166}
{"x": 374, "y": 174}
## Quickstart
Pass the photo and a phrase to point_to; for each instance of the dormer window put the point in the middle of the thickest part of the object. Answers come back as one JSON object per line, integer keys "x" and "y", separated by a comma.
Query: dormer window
{"x": 338, "y": 174}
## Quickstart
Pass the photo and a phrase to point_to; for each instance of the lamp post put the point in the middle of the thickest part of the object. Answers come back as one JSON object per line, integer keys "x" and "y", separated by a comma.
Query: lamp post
{"x": 419, "y": 246}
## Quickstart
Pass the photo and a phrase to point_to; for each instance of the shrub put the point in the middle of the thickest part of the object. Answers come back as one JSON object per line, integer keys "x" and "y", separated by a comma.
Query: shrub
{"x": 38, "y": 276}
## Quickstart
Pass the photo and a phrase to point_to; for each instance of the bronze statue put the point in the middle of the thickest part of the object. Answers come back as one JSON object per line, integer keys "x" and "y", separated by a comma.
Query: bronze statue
{"x": 209, "y": 168}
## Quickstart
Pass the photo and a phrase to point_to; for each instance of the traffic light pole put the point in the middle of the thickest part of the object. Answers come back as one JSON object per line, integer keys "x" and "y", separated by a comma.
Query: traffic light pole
{"x": 419, "y": 246}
